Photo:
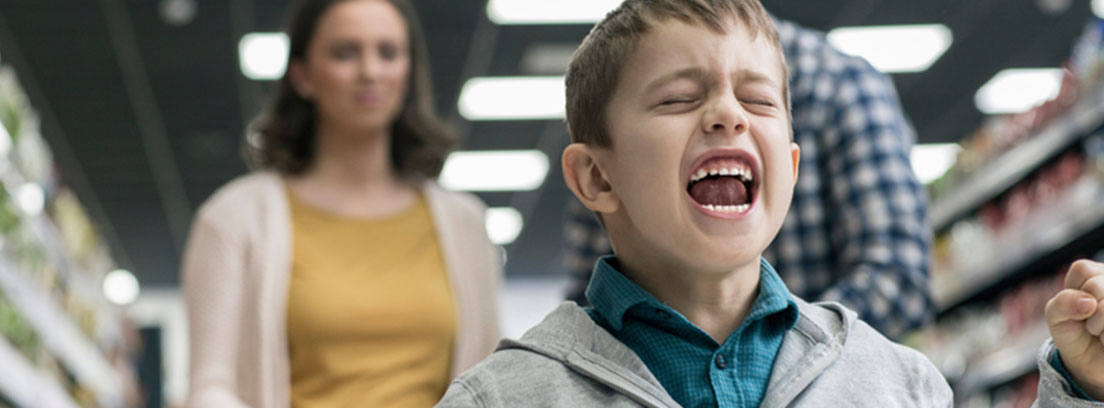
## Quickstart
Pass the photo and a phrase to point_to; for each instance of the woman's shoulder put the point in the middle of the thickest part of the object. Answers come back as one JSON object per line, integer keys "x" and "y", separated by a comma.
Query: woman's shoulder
{"x": 244, "y": 194}
{"x": 457, "y": 202}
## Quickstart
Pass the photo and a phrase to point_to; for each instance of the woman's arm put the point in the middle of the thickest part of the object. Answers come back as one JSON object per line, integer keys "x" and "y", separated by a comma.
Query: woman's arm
{"x": 212, "y": 278}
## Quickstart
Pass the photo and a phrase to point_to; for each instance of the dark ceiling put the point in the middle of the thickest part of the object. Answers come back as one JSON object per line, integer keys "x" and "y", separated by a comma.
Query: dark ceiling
{"x": 145, "y": 118}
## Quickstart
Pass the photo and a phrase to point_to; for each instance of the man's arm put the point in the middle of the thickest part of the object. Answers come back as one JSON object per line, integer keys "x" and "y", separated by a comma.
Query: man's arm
{"x": 878, "y": 216}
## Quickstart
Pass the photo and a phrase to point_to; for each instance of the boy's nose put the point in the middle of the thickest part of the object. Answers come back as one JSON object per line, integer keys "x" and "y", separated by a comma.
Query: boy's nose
{"x": 725, "y": 115}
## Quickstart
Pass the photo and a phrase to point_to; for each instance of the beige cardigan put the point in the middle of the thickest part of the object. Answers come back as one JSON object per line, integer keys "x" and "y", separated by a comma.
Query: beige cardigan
{"x": 235, "y": 278}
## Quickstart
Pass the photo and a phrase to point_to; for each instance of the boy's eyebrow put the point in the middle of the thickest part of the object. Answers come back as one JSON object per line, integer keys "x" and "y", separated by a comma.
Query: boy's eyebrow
{"x": 748, "y": 75}
{"x": 695, "y": 73}
{"x": 699, "y": 74}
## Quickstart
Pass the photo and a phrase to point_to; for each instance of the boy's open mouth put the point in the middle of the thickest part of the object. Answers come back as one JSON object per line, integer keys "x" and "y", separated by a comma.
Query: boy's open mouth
{"x": 724, "y": 184}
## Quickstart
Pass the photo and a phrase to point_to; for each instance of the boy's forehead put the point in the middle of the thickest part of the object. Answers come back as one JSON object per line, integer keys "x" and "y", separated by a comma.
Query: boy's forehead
{"x": 672, "y": 47}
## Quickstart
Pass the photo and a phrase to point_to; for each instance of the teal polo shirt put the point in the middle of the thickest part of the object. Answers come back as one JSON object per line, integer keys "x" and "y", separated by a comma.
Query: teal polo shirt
{"x": 691, "y": 366}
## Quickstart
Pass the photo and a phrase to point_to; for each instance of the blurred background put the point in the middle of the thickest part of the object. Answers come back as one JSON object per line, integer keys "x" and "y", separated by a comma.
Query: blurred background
{"x": 121, "y": 116}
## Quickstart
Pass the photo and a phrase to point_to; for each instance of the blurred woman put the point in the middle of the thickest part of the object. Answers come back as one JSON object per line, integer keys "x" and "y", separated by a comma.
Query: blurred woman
{"x": 340, "y": 274}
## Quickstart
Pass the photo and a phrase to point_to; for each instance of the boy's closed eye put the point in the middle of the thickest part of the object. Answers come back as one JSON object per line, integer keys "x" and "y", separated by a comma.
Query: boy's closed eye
{"x": 762, "y": 102}
{"x": 760, "y": 93}
{"x": 679, "y": 100}
{"x": 677, "y": 103}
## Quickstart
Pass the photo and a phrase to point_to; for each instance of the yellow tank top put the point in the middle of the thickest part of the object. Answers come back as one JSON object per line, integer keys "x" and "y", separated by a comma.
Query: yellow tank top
{"x": 370, "y": 315}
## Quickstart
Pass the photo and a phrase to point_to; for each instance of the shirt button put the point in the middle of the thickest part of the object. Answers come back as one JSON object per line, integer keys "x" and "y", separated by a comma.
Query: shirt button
{"x": 720, "y": 361}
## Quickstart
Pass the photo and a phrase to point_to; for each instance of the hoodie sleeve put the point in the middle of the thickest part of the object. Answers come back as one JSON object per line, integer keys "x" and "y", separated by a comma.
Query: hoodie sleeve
{"x": 459, "y": 395}
{"x": 1055, "y": 389}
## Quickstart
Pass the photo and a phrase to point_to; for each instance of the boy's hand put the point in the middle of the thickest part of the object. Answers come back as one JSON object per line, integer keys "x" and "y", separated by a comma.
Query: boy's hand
{"x": 1075, "y": 317}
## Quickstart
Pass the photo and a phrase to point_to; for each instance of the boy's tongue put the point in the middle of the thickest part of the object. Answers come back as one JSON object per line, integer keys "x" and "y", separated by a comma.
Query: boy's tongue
{"x": 719, "y": 191}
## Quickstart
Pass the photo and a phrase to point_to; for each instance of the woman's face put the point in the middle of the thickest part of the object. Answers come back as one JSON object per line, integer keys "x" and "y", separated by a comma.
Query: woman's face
{"x": 357, "y": 66}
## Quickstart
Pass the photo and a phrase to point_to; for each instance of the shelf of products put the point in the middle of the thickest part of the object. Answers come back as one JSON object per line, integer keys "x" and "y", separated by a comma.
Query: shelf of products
{"x": 1022, "y": 201}
{"x": 1019, "y": 393}
{"x": 26, "y": 386}
{"x": 61, "y": 343}
{"x": 1013, "y": 359}
{"x": 1007, "y": 148}
{"x": 983, "y": 346}
{"x": 998, "y": 175}
{"x": 61, "y": 337}
{"x": 1055, "y": 208}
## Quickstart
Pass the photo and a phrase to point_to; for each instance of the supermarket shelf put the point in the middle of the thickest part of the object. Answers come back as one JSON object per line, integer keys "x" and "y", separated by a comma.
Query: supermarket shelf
{"x": 16, "y": 375}
{"x": 1013, "y": 360}
{"x": 109, "y": 330}
{"x": 21, "y": 383}
{"x": 1011, "y": 167}
{"x": 62, "y": 337}
{"x": 77, "y": 280}
{"x": 1050, "y": 234}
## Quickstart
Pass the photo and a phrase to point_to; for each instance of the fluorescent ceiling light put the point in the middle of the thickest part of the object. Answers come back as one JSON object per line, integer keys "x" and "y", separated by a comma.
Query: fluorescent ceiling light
{"x": 495, "y": 170}
{"x": 263, "y": 55}
{"x": 549, "y": 12}
{"x": 120, "y": 287}
{"x": 547, "y": 59}
{"x": 899, "y": 48}
{"x": 503, "y": 225}
{"x": 513, "y": 98}
{"x": 1017, "y": 90}
{"x": 931, "y": 161}
{"x": 178, "y": 12}
{"x": 1098, "y": 8}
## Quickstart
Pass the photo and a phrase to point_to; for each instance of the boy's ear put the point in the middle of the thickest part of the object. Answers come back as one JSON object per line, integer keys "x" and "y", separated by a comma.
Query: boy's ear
{"x": 586, "y": 179}
{"x": 297, "y": 74}
{"x": 795, "y": 153}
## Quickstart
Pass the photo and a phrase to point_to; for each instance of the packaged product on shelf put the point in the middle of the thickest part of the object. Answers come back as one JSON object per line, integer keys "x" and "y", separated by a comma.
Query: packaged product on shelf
{"x": 30, "y": 153}
{"x": 17, "y": 332}
{"x": 1094, "y": 155}
{"x": 76, "y": 229}
{"x": 21, "y": 247}
{"x": 82, "y": 395}
{"x": 1087, "y": 56}
{"x": 13, "y": 103}
{"x": 1020, "y": 393}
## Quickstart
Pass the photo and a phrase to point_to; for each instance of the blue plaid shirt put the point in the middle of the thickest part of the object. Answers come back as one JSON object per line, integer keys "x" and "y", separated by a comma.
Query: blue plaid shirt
{"x": 691, "y": 366}
{"x": 857, "y": 231}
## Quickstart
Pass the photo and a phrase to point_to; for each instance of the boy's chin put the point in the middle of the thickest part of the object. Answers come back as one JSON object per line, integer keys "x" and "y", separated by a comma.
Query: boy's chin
{"x": 726, "y": 260}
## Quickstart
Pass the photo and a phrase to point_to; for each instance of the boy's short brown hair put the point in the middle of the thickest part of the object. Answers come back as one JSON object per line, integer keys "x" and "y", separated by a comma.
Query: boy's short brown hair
{"x": 595, "y": 68}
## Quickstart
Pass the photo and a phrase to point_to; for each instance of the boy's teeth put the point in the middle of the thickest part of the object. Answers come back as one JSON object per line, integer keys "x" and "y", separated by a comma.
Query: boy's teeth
{"x": 743, "y": 173}
{"x": 727, "y": 208}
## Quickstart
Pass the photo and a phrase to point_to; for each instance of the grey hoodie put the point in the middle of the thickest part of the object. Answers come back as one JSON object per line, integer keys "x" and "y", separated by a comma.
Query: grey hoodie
{"x": 829, "y": 359}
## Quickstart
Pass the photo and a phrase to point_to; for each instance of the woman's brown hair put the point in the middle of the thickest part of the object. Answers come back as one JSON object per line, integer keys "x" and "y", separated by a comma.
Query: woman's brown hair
{"x": 285, "y": 132}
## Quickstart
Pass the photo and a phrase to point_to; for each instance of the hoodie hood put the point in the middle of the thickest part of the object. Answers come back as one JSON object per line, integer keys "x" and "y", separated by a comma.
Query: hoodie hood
{"x": 568, "y": 335}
